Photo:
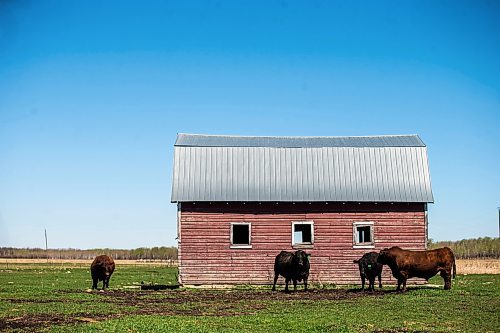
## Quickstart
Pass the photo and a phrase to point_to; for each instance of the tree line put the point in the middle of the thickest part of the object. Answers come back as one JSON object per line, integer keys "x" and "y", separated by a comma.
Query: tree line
{"x": 485, "y": 247}
{"x": 142, "y": 253}
{"x": 477, "y": 248}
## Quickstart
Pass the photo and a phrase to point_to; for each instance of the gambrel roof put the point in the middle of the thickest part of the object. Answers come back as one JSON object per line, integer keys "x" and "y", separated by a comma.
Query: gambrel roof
{"x": 295, "y": 169}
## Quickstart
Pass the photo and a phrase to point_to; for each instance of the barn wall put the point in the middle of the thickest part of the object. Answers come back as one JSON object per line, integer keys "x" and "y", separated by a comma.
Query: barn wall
{"x": 206, "y": 256}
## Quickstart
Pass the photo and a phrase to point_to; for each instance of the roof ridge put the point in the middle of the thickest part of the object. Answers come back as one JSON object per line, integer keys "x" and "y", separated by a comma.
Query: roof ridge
{"x": 202, "y": 140}
{"x": 299, "y": 137}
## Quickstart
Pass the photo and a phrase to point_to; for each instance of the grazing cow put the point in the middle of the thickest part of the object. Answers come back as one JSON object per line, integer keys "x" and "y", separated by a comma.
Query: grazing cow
{"x": 292, "y": 266}
{"x": 406, "y": 264}
{"x": 370, "y": 268}
{"x": 101, "y": 269}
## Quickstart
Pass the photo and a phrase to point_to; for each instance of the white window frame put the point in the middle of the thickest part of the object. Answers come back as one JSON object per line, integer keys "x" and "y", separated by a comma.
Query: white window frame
{"x": 355, "y": 242}
{"x": 241, "y": 246}
{"x": 302, "y": 245}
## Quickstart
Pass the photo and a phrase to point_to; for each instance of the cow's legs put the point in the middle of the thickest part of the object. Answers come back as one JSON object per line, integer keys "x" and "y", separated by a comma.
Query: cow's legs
{"x": 305, "y": 284}
{"x": 94, "y": 283}
{"x": 447, "y": 279}
{"x": 275, "y": 280}
{"x": 380, "y": 280}
{"x": 294, "y": 285}
{"x": 403, "y": 276}
{"x": 105, "y": 283}
{"x": 400, "y": 282}
{"x": 362, "y": 282}
{"x": 404, "y": 285}
{"x": 286, "y": 285}
{"x": 371, "y": 286}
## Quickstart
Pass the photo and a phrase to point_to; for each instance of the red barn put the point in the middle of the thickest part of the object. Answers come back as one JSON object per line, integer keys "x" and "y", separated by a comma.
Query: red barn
{"x": 241, "y": 200}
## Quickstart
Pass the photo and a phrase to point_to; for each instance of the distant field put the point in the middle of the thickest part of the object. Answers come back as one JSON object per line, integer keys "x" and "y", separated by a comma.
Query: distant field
{"x": 478, "y": 266}
{"x": 464, "y": 266}
{"x": 55, "y": 298}
{"x": 84, "y": 262}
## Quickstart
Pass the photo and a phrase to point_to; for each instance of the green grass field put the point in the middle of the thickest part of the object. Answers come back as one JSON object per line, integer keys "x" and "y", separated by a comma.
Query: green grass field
{"x": 54, "y": 298}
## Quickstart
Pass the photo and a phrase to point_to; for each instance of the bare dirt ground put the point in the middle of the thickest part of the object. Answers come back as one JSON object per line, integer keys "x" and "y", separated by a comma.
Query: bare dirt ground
{"x": 180, "y": 302}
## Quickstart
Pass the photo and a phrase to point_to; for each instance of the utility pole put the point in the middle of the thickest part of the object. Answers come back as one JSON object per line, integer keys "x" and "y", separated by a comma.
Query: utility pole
{"x": 46, "y": 247}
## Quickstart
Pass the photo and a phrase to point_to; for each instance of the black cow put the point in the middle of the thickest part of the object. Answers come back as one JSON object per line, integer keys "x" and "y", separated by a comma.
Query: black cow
{"x": 101, "y": 269}
{"x": 370, "y": 268}
{"x": 292, "y": 266}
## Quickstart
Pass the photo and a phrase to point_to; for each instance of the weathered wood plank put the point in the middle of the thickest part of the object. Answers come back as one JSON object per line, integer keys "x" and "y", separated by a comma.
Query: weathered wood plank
{"x": 206, "y": 256}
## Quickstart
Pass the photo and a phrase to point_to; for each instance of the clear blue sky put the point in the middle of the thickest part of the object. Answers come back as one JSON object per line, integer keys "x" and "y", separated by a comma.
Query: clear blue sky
{"x": 92, "y": 94}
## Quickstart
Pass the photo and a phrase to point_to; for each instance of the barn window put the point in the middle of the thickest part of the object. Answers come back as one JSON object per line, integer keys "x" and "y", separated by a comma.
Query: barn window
{"x": 302, "y": 234}
{"x": 241, "y": 235}
{"x": 363, "y": 234}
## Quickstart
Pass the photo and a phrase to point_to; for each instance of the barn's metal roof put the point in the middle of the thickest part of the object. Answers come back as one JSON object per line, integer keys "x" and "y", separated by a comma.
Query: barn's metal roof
{"x": 198, "y": 140}
{"x": 360, "y": 169}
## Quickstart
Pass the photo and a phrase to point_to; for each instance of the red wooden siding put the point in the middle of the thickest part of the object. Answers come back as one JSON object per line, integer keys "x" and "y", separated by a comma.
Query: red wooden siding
{"x": 206, "y": 257}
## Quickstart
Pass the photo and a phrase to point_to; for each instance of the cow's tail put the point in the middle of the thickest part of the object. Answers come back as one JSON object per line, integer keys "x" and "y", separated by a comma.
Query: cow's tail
{"x": 454, "y": 265}
{"x": 454, "y": 268}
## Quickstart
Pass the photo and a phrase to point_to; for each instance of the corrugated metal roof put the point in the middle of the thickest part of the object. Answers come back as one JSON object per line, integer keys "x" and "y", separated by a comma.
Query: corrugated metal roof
{"x": 198, "y": 140}
{"x": 383, "y": 170}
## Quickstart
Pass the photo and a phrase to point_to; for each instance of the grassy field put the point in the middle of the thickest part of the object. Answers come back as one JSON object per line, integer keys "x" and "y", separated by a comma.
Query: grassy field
{"x": 55, "y": 298}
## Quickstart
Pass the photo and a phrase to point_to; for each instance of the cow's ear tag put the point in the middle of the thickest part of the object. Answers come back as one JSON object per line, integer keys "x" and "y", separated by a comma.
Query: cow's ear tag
{"x": 369, "y": 266}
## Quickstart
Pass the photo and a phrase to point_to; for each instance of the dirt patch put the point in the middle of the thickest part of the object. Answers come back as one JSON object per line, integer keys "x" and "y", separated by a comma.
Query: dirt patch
{"x": 44, "y": 301}
{"x": 178, "y": 302}
{"x": 33, "y": 323}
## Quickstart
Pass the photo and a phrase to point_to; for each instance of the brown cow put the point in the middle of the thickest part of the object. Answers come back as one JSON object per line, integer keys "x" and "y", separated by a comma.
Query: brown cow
{"x": 101, "y": 269}
{"x": 406, "y": 264}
